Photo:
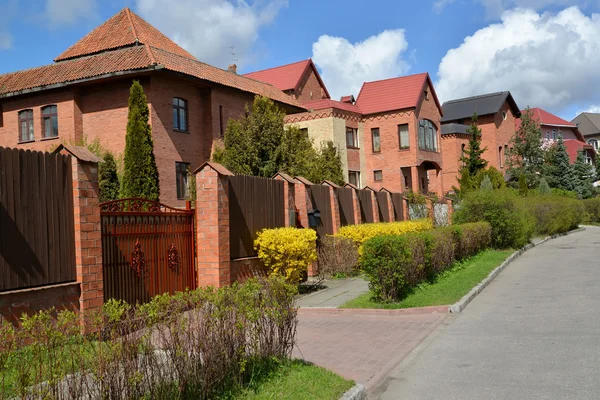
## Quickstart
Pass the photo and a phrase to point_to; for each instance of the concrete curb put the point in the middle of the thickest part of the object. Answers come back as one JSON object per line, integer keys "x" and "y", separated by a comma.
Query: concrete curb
{"x": 373, "y": 311}
{"x": 357, "y": 392}
{"x": 460, "y": 305}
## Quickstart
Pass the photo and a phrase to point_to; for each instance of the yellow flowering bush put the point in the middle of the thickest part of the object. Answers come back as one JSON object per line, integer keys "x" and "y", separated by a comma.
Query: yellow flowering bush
{"x": 361, "y": 233}
{"x": 287, "y": 251}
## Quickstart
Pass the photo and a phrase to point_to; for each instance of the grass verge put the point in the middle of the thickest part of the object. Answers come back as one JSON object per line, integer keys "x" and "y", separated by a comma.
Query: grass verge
{"x": 449, "y": 287}
{"x": 298, "y": 380}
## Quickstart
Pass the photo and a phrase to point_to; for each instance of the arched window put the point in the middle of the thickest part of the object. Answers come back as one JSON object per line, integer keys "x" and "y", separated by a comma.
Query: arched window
{"x": 26, "y": 126}
{"x": 50, "y": 119}
{"x": 180, "y": 111}
{"x": 427, "y": 135}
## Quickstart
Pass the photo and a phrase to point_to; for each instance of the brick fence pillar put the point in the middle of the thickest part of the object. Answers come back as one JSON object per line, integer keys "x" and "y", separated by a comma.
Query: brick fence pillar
{"x": 301, "y": 199}
{"x": 405, "y": 209}
{"x": 374, "y": 205}
{"x": 355, "y": 204}
{"x": 335, "y": 209}
{"x": 212, "y": 225}
{"x": 288, "y": 196}
{"x": 450, "y": 211}
{"x": 390, "y": 205}
{"x": 88, "y": 237}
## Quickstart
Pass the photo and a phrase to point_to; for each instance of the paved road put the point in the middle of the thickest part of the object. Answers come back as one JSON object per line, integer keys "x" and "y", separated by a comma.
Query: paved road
{"x": 534, "y": 333}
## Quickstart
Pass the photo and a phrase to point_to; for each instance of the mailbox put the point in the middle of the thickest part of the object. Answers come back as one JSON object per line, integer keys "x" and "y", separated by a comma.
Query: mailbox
{"x": 314, "y": 217}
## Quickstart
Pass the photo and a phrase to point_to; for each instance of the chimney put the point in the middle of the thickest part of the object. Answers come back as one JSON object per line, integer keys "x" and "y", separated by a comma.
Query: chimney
{"x": 232, "y": 68}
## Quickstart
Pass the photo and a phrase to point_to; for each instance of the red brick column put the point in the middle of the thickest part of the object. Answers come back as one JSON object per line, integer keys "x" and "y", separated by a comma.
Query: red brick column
{"x": 301, "y": 199}
{"x": 335, "y": 209}
{"x": 414, "y": 177}
{"x": 405, "y": 211}
{"x": 375, "y": 206}
{"x": 288, "y": 194}
{"x": 212, "y": 225}
{"x": 390, "y": 206}
{"x": 355, "y": 204}
{"x": 88, "y": 239}
{"x": 450, "y": 211}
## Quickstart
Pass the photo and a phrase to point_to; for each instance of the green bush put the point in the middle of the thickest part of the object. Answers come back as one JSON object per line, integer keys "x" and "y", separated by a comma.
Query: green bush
{"x": 592, "y": 210}
{"x": 512, "y": 227}
{"x": 553, "y": 214}
{"x": 395, "y": 264}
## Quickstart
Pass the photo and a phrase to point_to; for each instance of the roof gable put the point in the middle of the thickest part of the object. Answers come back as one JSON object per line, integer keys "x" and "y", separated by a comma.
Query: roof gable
{"x": 289, "y": 76}
{"x": 122, "y": 30}
{"x": 545, "y": 118}
{"x": 394, "y": 94}
{"x": 327, "y": 103}
{"x": 486, "y": 104}
{"x": 588, "y": 123}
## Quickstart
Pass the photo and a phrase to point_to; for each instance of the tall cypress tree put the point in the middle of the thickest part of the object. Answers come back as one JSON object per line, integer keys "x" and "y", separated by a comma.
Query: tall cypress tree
{"x": 140, "y": 178}
{"x": 472, "y": 159}
{"x": 108, "y": 179}
{"x": 527, "y": 155}
{"x": 584, "y": 177}
{"x": 562, "y": 172}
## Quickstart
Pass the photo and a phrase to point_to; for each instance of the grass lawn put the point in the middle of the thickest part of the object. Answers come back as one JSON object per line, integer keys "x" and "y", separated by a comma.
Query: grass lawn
{"x": 450, "y": 286}
{"x": 299, "y": 381}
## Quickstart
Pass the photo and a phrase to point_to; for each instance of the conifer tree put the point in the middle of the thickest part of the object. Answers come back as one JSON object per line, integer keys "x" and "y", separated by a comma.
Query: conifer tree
{"x": 471, "y": 159}
{"x": 486, "y": 184}
{"x": 544, "y": 188}
{"x": 584, "y": 177}
{"x": 108, "y": 178}
{"x": 140, "y": 177}
{"x": 526, "y": 155}
{"x": 561, "y": 171}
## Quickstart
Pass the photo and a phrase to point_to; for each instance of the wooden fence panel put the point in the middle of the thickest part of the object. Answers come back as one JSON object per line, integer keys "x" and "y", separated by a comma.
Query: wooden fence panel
{"x": 383, "y": 206}
{"x": 366, "y": 205}
{"x": 397, "y": 202}
{"x": 37, "y": 232}
{"x": 345, "y": 205}
{"x": 254, "y": 204}
{"x": 320, "y": 199}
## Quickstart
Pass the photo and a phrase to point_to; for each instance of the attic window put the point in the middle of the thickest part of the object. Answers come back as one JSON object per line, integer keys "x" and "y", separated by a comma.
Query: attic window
{"x": 504, "y": 115}
{"x": 426, "y": 93}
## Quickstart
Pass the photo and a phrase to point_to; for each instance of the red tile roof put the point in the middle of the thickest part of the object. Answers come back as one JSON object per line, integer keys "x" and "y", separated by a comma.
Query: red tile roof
{"x": 575, "y": 146}
{"x": 127, "y": 59}
{"x": 394, "y": 94}
{"x": 122, "y": 30}
{"x": 287, "y": 77}
{"x": 545, "y": 118}
{"x": 326, "y": 103}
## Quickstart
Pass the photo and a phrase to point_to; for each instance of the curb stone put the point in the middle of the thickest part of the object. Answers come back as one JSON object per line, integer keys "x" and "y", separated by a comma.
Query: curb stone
{"x": 357, "y": 392}
{"x": 460, "y": 305}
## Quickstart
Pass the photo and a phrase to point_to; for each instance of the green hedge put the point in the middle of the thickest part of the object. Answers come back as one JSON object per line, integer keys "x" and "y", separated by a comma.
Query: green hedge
{"x": 553, "y": 214}
{"x": 592, "y": 210}
{"x": 395, "y": 264}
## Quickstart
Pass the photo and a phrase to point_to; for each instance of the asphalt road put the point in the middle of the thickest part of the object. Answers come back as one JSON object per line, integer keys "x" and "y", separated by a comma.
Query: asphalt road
{"x": 534, "y": 333}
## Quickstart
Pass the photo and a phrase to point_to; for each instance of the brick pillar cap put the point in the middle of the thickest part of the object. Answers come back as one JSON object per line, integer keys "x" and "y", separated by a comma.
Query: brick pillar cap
{"x": 370, "y": 188}
{"x": 329, "y": 183}
{"x": 283, "y": 176}
{"x": 79, "y": 152}
{"x": 303, "y": 180}
{"x": 221, "y": 170}
{"x": 351, "y": 186}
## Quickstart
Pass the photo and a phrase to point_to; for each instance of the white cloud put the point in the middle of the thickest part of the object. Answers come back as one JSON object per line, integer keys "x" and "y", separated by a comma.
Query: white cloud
{"x": 546, "y": 60}
{"x": 217, "y": 32}
{"x": 66, "y": 12}
{"x": 439, "y": 5}
{"x": 590, "y": 109}
{"x": 345, "y": 66}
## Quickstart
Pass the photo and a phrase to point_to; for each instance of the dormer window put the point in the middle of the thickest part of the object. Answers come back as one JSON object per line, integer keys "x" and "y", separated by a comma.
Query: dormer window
{"x": 26, "y": 126}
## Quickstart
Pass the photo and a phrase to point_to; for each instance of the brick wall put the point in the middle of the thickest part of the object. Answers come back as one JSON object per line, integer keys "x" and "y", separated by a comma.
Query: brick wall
{"x": 310, "y": 88}
{"x": 452, "y": 150}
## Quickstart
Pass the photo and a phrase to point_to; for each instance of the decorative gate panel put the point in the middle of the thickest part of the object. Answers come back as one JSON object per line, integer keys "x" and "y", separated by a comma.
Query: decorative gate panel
{"x": 147, "y": 250}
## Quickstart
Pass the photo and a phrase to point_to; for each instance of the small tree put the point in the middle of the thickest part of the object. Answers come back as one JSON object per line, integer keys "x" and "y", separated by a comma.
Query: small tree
{"x": 523, "y": 187}
{"x": 486, "y": 183}
{"x": 584, "y": 177}
{"x": 471, "y": 159}
{"x": 544, "y": 188}
{"x": 561, "y": 170}
{"x": 140, "y": 177}
{"x": 328, "y": 164}
{"x": 526, "y": 156}
{"x": 108, "y": 179}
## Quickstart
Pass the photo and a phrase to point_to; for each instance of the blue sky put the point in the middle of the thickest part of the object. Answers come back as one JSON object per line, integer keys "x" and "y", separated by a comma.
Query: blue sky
{"x": 545, "y": 51}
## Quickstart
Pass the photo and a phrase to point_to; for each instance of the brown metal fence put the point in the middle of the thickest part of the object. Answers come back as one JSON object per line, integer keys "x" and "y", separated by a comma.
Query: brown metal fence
{"x": 320, "y": 199}
{"x": 37, "y": 232}
{"x": 345, "y": 205}
{"x": 147, "y": 249}
{"x": 366, "y": 205}
{"x": 254, "y": 204}
{"x": 397, "y": 203}
{"x": 383, "y": 206}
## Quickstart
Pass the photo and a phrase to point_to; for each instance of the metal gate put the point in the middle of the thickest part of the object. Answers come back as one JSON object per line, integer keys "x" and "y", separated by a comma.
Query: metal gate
{"x": 147, "y": 249}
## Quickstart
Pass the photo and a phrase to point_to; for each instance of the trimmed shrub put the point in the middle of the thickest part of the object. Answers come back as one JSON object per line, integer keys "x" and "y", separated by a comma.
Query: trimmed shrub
{"x": 440, "y": 251}
{"x": 287, "y": 251}
{"x": 361, "y": 233}
{"x": 393, "y": 264}
{"x": 337, "y": 255}
{"x": 554, "y": 214}
{"x": 473, "y": 238}
{"x": 592, "y": 210}
{"x": 511, "y": 225}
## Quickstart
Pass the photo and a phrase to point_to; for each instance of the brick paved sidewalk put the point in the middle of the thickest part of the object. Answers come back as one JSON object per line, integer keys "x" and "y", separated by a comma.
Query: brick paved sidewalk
{"x": 361, "y": 345}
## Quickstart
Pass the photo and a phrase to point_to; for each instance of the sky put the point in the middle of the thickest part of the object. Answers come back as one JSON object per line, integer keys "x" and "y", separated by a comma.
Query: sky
{"x": 546, "y": 52}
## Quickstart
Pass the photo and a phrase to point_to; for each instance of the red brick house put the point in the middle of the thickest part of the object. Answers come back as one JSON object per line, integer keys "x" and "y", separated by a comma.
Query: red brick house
{"x": 554, "y": 127}
{"x": 84, "y": 93}
{"x": 497, "y": 113}
{"x": 388, "y": 137}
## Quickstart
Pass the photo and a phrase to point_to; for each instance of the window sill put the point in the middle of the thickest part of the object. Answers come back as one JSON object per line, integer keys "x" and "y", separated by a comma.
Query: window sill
{"x": 430, "y": 151}
{"x": 50, "y": 138}
{"x": 27, "y": 141}
{"x": 352, "y": 147}
{"x": 404, "y": 149}
{"x": 181, "y": 131}
{"x": 377, "y": 152}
